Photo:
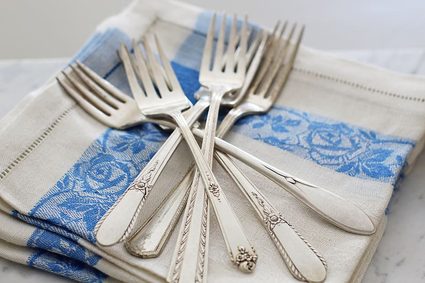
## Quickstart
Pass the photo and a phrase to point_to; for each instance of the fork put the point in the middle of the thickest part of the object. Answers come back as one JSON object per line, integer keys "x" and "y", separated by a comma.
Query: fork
{"x": 220, "y": 72}
{"x": 162, "y": 96}
{"x": 302, "y": 259}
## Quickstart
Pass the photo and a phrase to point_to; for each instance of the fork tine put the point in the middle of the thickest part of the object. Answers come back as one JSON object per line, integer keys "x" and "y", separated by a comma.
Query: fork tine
{"x": 243, "y": 47}
{"x": 253, "y": 47}
{"x": 136, "y": 90}
{"x": 155, "y": 67}
{"x": 142, "y": 70}
{"x": 256, "y": 60}
{"x": 206, "y": 57}
{"x": 171, "y": 75}
{"x": 218, "y": 59}
{"x": 276, "y": 38}
{"x": 249, "y": 53}
{"x": 276, "y": 26}
{"x": 268, "y": 56}
{"x": 100, "y": 92}
{"x": 278, "y": 62}
{"x": 229, "y": 57}
{"x": 87, "y": 106}
{"x": 283, "y": 74}
{"x": 103, "y": 83}
{"x": 89, "y": 95}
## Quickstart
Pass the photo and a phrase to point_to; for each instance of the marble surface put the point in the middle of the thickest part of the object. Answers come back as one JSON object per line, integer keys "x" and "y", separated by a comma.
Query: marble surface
{"x": 400, "y": 254}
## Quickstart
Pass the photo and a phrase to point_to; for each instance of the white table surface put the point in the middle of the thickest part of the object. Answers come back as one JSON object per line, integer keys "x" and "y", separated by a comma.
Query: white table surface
{"x": 400, "y": 255}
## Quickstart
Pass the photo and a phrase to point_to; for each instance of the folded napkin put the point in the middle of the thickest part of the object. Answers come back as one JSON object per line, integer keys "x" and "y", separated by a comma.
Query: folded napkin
{"x": 345, "y": 126}
{"x": 53, "y": 263}
{"x": 42, "y": 249}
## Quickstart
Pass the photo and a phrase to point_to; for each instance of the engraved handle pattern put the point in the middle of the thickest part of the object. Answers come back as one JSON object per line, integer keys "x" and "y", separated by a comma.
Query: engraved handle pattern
{"x": 117, "y": 224}
{"x": 303, "y": 261}
{"x": 241, "y": 252}
{"x": 333, "y": 208}
{"x": 149, "y": 241}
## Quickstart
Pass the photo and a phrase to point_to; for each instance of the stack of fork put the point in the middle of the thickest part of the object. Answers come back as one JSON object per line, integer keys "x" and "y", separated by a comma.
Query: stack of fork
{"x": 247, "y": 74}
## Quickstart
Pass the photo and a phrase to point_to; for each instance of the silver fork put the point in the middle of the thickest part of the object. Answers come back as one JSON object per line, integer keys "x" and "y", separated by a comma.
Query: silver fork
{"x": 220, "y": 73}
{"x": 159, "y": 99}
{"x": 303, "y": 261}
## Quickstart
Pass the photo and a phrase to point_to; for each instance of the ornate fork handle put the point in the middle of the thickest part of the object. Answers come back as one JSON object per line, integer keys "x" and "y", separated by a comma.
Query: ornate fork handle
{"x": 303, "y": 261}
{"x": 241, "y": 252}
{"x": 117, "y": 223}
{"x": 150, "y": 238}
{"x": 333, "y": 208}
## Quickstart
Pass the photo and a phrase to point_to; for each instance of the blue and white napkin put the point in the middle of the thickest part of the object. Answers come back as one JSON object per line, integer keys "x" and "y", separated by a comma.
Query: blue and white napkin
{"x": 346, "y": 126}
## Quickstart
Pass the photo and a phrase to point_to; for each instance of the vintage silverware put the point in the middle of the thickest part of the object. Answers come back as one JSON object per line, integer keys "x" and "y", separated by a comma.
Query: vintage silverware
{"x": 338, "y": 211}
{"x": 221, "y": 72}
{"x": 162, "y": 96}
{"x": 127, "y": 208}
{"x": 274, "y": 173}
{"x": 302, "y": 259}
{"x": 150, "y": 239}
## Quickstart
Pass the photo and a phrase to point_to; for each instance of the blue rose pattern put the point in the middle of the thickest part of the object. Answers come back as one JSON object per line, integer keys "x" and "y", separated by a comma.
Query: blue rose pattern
{"x": 65, "y": 267}
{"x": 346, "y": 149}
{"x": 83, "y": 195}
{"x": 42, "y": 224}
{"x": 60, "y": 245}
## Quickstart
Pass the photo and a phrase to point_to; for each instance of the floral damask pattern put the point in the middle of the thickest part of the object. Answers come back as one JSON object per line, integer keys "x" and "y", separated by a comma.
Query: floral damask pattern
{"x": 65, "y": 267}
{"x": 339, "y": 146}
{"x": 44, "y": 225}
{"x": 60, "y": 245}
{"x": 84, "y": 194}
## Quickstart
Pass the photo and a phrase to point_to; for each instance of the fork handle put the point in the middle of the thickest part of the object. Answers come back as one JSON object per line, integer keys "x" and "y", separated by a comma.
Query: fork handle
{"x": 117, "y": 224}
{"x": 333, "y": 208}
{"x": 150, "y": 239}
{"x": 240, "y": 250}
{"x": 303, "y": 261}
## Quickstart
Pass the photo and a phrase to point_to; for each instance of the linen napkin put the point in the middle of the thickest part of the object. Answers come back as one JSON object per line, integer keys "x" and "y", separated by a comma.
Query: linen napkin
{"x": 42, "y": 249}
{"x": 345, "y": 126}
{"x": 46, "y": 261}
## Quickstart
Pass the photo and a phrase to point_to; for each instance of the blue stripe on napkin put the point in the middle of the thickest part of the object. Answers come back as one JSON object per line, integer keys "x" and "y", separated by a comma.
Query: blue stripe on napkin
{"x": 65, "y": 267}
{"x": 339, "y": 146}
{"x": 60, "y": 245}
{"x": 83, "y": 195}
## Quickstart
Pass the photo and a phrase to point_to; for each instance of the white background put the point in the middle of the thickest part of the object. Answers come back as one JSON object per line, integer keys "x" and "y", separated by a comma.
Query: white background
{"x": 57, "y": 28}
